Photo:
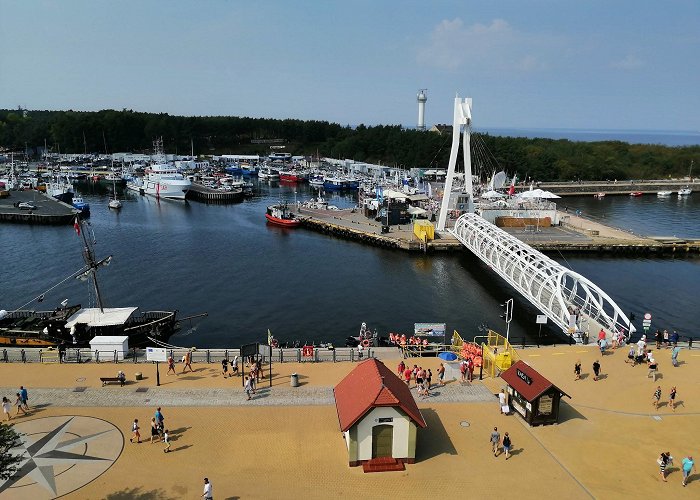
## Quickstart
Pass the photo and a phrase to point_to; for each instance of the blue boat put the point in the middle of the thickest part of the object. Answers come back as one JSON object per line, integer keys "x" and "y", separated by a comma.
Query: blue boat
{"x": 334, "y": 184}
{"x": 81, "y": 205}
{"x": 234, "y": 170}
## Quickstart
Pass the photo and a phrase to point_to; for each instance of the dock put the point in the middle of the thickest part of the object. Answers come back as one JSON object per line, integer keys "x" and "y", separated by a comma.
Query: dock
{"x": 49, "y": 210}
{"x": 575, "y": 234}
{"x": 589, "y": 188}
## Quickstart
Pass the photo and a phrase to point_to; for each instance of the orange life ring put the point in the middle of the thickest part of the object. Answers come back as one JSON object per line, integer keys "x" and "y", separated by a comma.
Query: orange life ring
{"x": 365, "y": 343}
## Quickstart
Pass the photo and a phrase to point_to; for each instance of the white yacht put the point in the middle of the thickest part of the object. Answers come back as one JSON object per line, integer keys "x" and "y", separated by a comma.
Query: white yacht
{"x": 685, "y": 191}
{"x": 165, "y": 181}
{"x": 664, "y": 194}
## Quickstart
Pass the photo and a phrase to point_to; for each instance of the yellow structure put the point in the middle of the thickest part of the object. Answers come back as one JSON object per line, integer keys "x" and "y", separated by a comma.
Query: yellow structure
{"x": 498, "y": 354}
{"x": 424, "y": 230}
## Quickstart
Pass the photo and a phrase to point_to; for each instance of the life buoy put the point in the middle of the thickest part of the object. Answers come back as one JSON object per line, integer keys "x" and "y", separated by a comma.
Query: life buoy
{"x": 365, "y": 343}
{"x": 307, "y": 351}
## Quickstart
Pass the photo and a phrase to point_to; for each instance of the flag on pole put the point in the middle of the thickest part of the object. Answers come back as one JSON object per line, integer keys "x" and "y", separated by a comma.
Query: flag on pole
{"x": 269, "y": 337}
{"x": 76, "y": 226}
{"x": 511, "y": 189}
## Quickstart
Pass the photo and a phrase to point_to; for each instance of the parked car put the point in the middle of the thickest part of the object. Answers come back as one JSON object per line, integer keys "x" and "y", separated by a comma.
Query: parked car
{"x": 26, "y": 205}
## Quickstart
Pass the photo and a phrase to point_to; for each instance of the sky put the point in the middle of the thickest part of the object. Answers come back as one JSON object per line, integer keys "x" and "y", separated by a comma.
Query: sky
{"x": 579, "y": 64}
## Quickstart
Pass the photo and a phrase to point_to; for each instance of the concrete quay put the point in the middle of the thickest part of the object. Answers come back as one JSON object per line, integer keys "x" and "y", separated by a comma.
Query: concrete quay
{"x": 286, "y": 443}
{"x": 49, "y": 210}
{"x": 624, "y": 187}
{"x": 576, "y": 234}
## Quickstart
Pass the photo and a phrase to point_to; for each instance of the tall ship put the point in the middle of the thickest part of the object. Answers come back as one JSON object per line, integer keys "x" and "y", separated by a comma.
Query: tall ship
{"x": 74, "y": 325}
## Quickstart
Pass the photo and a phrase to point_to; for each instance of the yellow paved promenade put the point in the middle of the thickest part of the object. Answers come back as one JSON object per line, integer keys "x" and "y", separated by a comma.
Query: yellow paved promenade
{"x": 604, "y": 447}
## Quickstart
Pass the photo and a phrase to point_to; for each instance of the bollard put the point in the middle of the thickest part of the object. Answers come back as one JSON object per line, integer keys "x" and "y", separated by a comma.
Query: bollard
{"x": 298, "y": 355}
{"x": 523, "y": 341}
{"x": 316, "y": 355}
{"x": 97, "y": 356}
{"x": 352, "y": 354}
{"x": 334, "y": 355}
{"x": 226, "y": 354}
{"x": 115, "y": 355}
{"x": 281, "y": 355}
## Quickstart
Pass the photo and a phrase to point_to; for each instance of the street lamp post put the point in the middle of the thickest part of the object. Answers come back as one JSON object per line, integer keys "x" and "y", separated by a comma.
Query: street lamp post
{"x": 508, "y": 316}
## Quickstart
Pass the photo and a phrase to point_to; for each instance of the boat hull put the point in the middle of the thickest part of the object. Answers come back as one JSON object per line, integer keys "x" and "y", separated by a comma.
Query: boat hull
{"x": 282, "y": 222}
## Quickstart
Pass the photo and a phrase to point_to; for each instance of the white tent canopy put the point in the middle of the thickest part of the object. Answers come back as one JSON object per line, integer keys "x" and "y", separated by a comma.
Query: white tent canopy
{"x": 537, "y": 194}
{"x": 492, "y": 194}
{"x": 94, "y": 317}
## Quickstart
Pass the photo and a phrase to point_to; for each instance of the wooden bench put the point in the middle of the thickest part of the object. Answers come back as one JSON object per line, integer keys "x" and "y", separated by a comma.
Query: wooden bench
{"x": 105, "y": 380}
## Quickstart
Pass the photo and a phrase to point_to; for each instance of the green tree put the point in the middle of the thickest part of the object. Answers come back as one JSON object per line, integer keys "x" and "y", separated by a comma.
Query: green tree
{"x": 8, "y": 462}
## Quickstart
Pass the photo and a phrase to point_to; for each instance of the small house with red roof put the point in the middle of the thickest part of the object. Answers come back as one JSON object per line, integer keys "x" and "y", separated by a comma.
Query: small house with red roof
{"x": 377, "y": 414}
{"x": 532, "y": 395}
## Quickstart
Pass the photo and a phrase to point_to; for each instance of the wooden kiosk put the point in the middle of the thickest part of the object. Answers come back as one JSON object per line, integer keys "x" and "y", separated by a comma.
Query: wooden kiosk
{"x": 534, "y": 397}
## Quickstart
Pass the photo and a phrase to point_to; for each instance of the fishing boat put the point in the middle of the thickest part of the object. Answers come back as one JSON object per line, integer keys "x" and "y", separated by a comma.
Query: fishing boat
{"x": 636, "y": 193}
{"x": 81, "y": 205}
{"x": 281, "y": 216}
{"x": 267, "y": 173}
{"x": 664, "y": 194}
{"x": 75, "y": 326}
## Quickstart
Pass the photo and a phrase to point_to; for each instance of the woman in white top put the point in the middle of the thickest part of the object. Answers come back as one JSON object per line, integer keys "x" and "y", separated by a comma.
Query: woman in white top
{"x": 6, "y": 407}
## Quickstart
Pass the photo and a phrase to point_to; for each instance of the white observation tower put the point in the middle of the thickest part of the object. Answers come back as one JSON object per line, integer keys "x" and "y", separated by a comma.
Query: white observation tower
{"x": 421, "y": 98}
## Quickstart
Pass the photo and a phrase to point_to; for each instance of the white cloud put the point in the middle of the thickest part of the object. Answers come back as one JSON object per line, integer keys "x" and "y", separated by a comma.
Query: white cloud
{"x": 629, "y": 62}
{"x": 487, "y": 47}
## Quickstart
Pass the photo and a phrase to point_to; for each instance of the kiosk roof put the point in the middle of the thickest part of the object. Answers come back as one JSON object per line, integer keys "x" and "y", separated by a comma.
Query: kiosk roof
{"x": 528, "y": 381}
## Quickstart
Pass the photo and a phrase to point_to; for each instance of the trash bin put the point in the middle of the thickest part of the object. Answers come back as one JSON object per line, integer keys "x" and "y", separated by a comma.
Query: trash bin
{"x": 138, "y": 376}
{"x": 294, "y": 380}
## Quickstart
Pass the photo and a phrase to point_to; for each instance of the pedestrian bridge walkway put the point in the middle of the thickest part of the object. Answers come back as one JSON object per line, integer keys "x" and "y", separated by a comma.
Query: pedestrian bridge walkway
{"x": 572, "y": 302}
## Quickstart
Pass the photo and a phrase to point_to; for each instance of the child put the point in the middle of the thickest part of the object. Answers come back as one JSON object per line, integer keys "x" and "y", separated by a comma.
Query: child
{"x": 135, "y": 430}
{"x": 166, "y": 440}
{"x": 657, "y": 397}
{"x": 577, "y": 369}
{"x": 171, "y": 364}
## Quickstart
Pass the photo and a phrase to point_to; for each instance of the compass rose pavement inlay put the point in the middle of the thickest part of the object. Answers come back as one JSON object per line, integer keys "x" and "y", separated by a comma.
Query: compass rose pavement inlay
{"x": 61, "y": 454}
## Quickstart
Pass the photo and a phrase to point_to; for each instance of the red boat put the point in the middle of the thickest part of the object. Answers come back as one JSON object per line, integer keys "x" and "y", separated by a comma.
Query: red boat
{"x": 636, "y": 193}
{"x": 281, "y": 216}
{"x": 292, "y": 176}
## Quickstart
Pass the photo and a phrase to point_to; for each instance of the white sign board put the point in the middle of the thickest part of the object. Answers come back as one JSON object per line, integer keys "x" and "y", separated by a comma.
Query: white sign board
{"x": 541, "y": 319}
{"x": 156, "y": 354}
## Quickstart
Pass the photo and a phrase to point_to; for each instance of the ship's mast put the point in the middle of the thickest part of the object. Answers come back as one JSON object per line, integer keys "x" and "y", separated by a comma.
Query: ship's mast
{"x": 91, "y": 264}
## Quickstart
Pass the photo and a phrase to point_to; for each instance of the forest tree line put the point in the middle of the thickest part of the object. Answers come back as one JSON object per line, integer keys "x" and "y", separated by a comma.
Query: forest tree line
{"x": 110, "y": 131}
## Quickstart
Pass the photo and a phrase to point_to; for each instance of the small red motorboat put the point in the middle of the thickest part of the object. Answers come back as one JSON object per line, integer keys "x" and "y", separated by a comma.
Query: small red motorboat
{"x": 636, "y": 193}
{"x": 281, "y": 216}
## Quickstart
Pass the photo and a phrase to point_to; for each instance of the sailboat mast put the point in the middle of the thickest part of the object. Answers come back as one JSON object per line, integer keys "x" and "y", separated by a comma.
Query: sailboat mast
{"x": 89, "y": 257}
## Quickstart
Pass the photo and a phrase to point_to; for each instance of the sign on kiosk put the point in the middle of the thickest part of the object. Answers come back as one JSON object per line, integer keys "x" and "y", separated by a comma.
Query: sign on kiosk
{"x": 156, "y": 354}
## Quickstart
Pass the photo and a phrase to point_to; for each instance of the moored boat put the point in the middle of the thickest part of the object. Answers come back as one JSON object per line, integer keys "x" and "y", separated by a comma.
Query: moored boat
{"x": 664, "y": 194}
{"x": 636, "y": 193}
{"x": 599, "y": 196}
{"x": 81, "y": 205}
{"x": 281, "y": 216}
{"x": 685, "y": 191}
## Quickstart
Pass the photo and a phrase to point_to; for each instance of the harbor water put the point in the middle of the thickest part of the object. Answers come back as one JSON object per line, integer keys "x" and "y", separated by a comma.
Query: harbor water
{"x": 309, "y": 287}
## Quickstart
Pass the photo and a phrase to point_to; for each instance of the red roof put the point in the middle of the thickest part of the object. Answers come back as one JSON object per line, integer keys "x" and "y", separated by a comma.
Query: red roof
{"x": 537, "y": 383}
{"x": 369, "y": 385}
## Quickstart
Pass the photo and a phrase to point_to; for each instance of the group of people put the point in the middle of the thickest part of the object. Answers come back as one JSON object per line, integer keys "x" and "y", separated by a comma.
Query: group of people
{"x": 497, "y": 443}
{"x": 616, "y": 340}
{"x": 422, "y": 378}
{"x": 225, "y": 367}
{"x": 158, "y": 430}
{"x": 665, "y": 460}
{"x": 21, "y": 403}
{"x": 596, "y": 370}
{"x": 665, "y": 339}
{"x": 186, "y": 359}
{"x": 671, "y": 398}
{"x": 466, "y": 369}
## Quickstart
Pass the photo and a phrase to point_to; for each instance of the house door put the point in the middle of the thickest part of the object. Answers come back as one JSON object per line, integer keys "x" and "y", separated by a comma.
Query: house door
{"x": 382, "y": 440}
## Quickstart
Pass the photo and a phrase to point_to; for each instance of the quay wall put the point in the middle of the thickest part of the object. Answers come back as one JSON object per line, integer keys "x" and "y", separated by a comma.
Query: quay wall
{"x": 612, "y": 187}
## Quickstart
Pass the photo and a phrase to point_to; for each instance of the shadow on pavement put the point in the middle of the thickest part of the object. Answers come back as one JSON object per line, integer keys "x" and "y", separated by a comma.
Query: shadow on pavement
{"x": 138, "y": 494}
{"x": 568, "y": 412}
{"x": 434, "y": 440}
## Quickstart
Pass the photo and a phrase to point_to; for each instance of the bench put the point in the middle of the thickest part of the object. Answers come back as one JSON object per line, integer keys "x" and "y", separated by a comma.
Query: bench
{"x": 105, "y": 380}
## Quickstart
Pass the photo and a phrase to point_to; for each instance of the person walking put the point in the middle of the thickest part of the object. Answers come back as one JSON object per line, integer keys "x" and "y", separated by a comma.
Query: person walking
{"x": 577, "y": 370}
{"x": 207, "y": 495}
{"x": 495, "y": 441}
{"x": 166, "y": 440}
{"x": 672, "y": 398}
{"x": 470, "y": 370}
{"x": 6, "y": 408}
{"x": 656, "y": 398}
{"x": 503, "y": 402}
{"x": 652, "y": 369}
{"x": 188, "y": 361}
{"x": 160, "y": 419}
{"x": 224, "y": 367}
{"x": 25, "y": 397}
{"x": 429, "y": 379}
{"x": 407, "y": 376}
{"x": 663, "y": 462}
{"x": 596, "y": 370}
{"x": 441, "y": 374}
{"x": 135, "y": 431}
{"x": 506, "y": 445}
{"x": 19, "y": 404}
{"x": 463, "y": 370}
{"x": 247, "y": 387}
{"x": 630, "y": 355}
{"x": 688, "y": 464}
{"x": 171, "y": 364}
{"x": 401, "y": 368}
{"x": 154, "y": 430}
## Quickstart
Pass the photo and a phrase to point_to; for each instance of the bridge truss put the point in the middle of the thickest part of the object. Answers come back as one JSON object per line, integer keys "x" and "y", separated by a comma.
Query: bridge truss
{"x": 570, "y": 301}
